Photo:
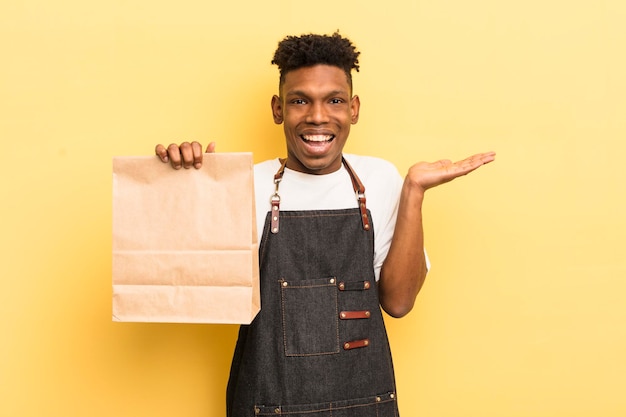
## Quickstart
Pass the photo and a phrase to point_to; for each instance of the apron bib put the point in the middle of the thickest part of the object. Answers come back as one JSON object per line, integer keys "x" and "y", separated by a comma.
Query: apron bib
{"x": 318, "y": 347}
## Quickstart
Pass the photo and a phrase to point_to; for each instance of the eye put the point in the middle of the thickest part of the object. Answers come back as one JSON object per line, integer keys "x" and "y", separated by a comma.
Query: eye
{"x": 298, "y": 101}
{"x": 336, "y": 101}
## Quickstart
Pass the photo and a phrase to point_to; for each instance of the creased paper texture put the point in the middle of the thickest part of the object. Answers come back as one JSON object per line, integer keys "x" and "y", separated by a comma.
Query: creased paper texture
{"x": 185, "y": 245}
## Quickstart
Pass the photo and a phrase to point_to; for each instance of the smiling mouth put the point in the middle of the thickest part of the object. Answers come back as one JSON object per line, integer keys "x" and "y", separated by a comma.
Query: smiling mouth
{"x": 317, "y": 138}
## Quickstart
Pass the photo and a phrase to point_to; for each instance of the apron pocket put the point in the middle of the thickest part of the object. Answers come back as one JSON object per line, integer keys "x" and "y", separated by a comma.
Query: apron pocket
{"x": 310, "y": 316}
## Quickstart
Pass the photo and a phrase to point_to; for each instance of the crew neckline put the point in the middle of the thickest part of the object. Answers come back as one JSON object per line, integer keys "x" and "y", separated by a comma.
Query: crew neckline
{"x": 303, "y": 176}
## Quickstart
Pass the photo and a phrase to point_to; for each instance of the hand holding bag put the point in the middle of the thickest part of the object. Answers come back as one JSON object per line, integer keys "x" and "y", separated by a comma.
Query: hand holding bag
{"x": 185, "y": 245}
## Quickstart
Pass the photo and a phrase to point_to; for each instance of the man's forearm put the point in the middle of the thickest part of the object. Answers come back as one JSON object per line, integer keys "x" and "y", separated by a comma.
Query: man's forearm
{"x": 404, "y": 270}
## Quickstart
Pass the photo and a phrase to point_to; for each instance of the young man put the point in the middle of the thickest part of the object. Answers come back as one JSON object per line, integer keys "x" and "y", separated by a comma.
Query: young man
{"x": 329, "y": 258}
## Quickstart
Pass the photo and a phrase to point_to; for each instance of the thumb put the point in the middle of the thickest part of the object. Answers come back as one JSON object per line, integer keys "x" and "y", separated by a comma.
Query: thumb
{"x": 210, "y": 147}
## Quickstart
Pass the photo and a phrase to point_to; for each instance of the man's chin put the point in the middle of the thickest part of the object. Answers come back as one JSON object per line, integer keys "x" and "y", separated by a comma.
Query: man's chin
{"x": 316, "y": 166}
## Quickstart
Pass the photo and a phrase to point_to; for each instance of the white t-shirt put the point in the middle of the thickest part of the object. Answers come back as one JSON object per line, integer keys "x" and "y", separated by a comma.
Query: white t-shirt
{"x": 299, "y": 191}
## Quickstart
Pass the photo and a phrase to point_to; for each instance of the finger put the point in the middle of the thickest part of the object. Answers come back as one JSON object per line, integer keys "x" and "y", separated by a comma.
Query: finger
{"x": 470, "y": 164}
{"x": 174, "y": 154}
{"x": 483, "y": 158}
{"x": 210, "y": 148}
{"x": 186, "y": 152}
{"x": 161, "y": 153}
{"x": 197, "y": 154}
{"x": 488, "y": 157}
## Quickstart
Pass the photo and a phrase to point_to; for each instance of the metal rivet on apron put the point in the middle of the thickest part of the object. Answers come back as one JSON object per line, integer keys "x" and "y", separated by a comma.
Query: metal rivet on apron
{"x": 256, "y": 410}
{"x": 342, "y": 286}
{"x": 275, "y": 218}
{"x": 366, "y": 342}
{"x": 378, "y": 399}
{"x": 343, "y": 315}
{"x": 366, "y": 285}
{"x": 332, "y": 280}
{"x": 392, "y": 395}
{"x": 277, "y": 410}
{"x": 346, "y": 345}
{"x": 284, "y": 284}
{"x": 275, "y": 230}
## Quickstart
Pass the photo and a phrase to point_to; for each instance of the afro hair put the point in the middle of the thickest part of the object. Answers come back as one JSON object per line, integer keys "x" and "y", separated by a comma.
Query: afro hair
{"x": 296, "y": 52}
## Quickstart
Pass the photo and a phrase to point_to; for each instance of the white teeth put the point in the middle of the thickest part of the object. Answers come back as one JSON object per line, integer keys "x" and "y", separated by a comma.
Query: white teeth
{"x": 317, "y": 138}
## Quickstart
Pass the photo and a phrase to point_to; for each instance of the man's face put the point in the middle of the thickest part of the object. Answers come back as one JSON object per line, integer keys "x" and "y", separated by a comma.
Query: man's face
{"x": 317, "y": 109}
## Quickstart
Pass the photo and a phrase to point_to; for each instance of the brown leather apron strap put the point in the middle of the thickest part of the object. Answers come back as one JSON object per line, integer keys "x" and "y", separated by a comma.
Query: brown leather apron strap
{"x": 355, "y": 344}
{"x": 359, "y": 190}
{"x": 352, "y": 315}
{"x": 275, "y": 199}
{"x": 357, "y": 185}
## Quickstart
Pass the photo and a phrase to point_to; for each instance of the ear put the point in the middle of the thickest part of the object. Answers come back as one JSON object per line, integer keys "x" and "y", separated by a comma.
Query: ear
{"x": 277, "y": 110}
{"x": 355, "y": 105}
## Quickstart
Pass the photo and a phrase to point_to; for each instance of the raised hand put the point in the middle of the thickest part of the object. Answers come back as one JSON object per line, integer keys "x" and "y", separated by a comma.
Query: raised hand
{"x": 404, "y": 270}
{"x": 184, "y": 155}
{"x": 427, "y": 175}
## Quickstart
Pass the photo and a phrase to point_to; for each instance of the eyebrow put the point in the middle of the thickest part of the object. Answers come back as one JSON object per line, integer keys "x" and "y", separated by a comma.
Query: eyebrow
{"x": 304, "y": 94}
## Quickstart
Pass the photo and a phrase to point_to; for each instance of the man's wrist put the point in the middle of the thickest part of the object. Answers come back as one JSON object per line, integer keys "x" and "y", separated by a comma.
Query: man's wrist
{"x": 412, "y": 190}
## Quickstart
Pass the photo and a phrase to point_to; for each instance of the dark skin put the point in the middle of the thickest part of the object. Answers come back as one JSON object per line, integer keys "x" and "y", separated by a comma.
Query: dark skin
{"x": 317, "y": 108}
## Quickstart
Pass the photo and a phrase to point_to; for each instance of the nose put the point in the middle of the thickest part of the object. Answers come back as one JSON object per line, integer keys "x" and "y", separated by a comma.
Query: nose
{"x": 317, "y": 114}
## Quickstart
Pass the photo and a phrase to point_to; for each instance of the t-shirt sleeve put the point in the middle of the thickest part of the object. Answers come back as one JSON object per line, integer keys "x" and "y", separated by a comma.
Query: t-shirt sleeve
{"x": 387, "y": 205}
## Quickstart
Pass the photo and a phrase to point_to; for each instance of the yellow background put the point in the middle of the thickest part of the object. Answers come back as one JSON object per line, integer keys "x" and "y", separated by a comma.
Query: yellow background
{"x": 523, "y": 312}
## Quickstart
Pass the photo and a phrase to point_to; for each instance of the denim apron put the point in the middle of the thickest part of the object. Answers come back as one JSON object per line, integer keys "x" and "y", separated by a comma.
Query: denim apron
{"x": 318, "y": 347}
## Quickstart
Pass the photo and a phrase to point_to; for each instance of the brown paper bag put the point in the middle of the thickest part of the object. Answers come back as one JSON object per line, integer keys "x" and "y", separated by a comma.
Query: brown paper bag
{"x": 185, "y": 246}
